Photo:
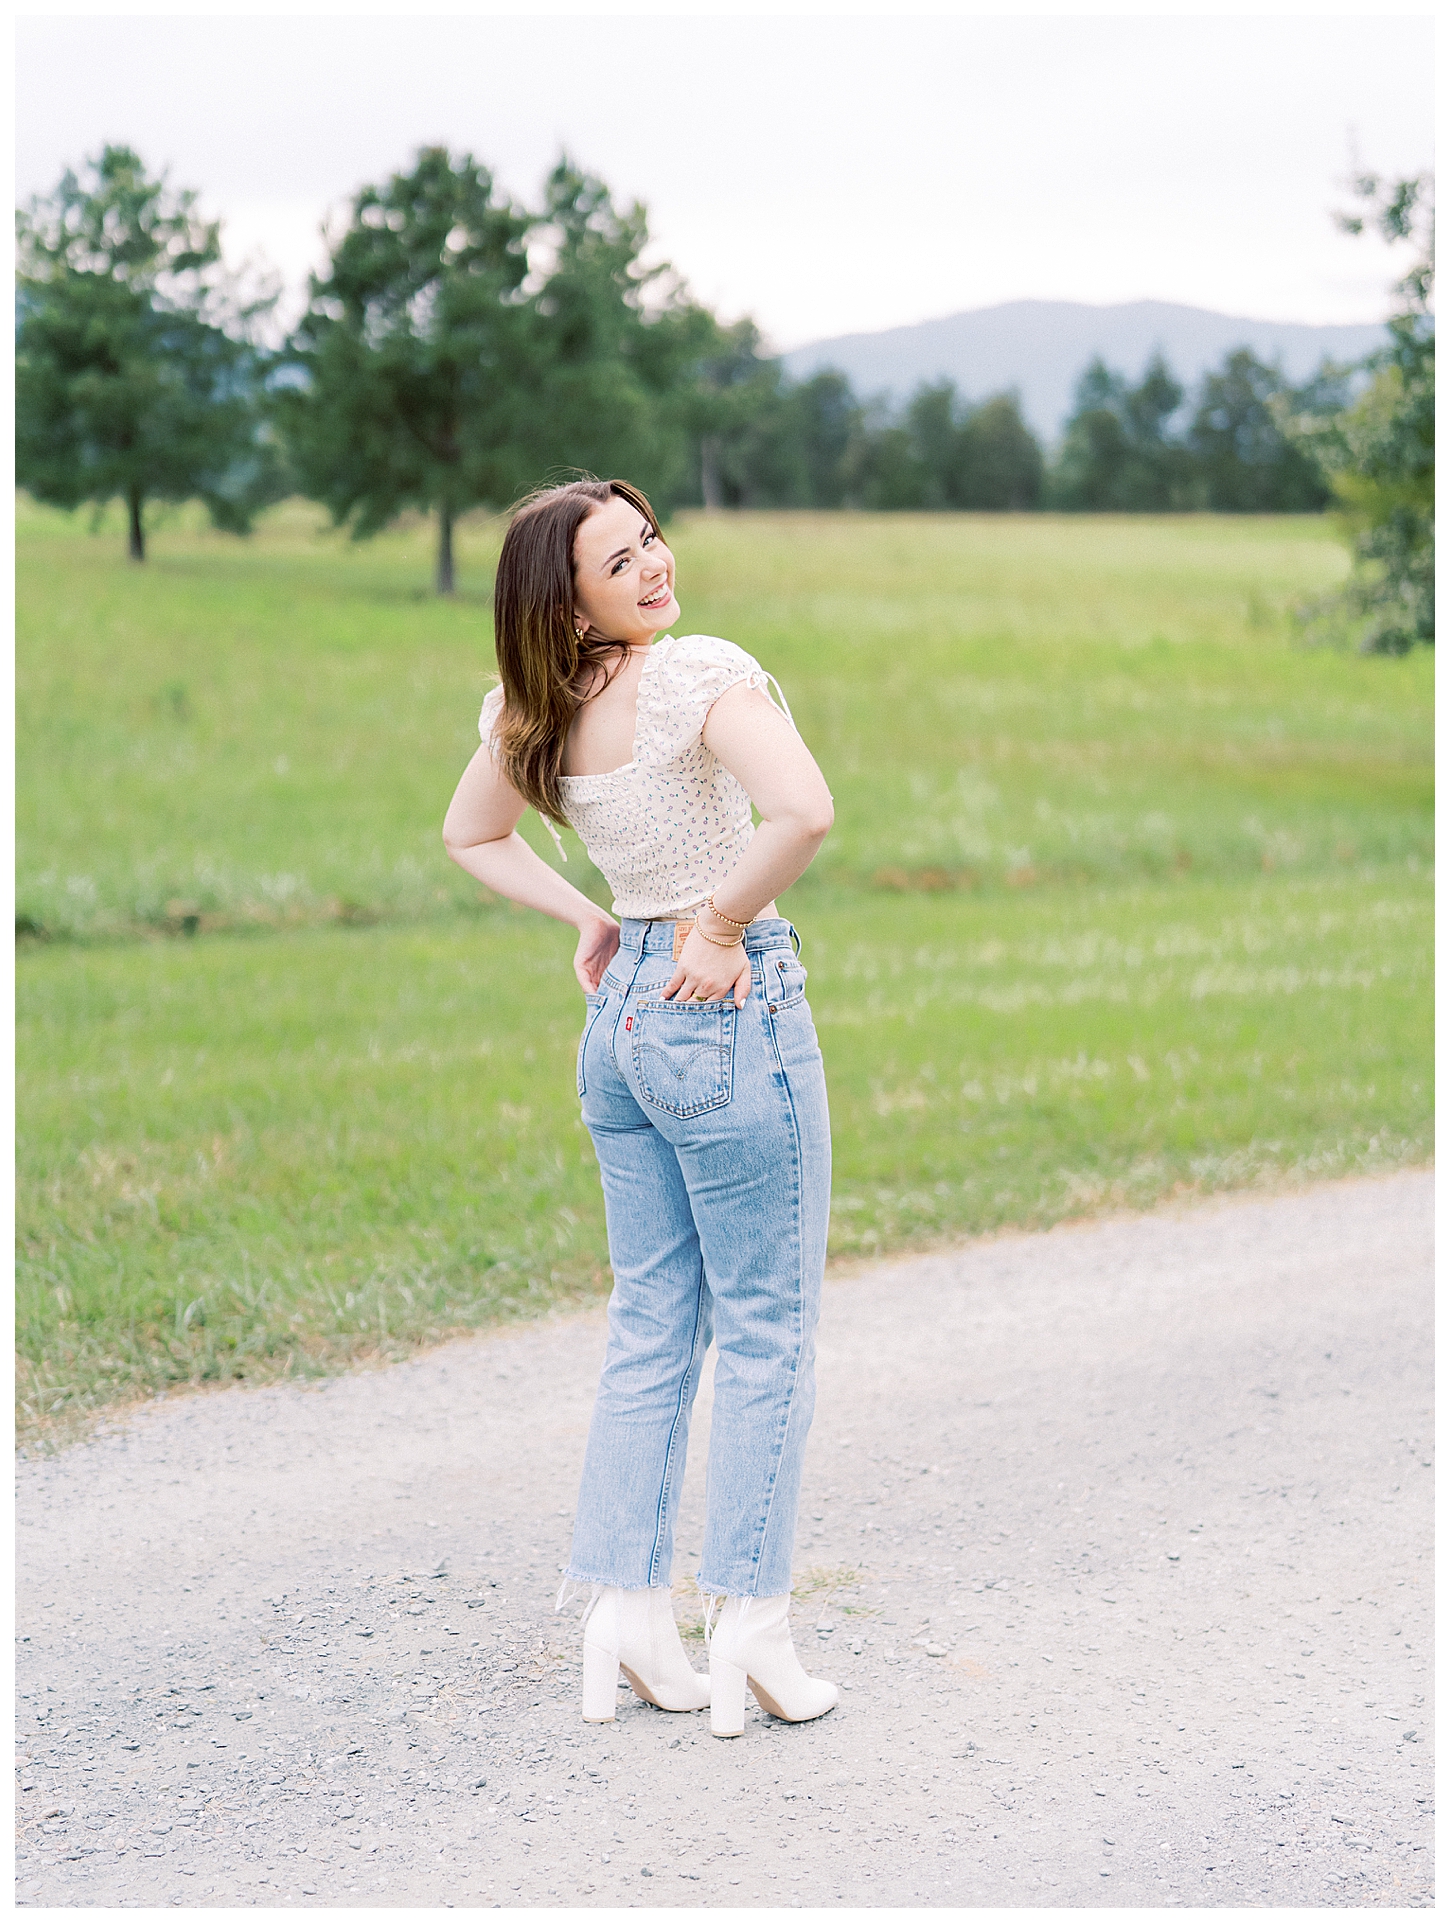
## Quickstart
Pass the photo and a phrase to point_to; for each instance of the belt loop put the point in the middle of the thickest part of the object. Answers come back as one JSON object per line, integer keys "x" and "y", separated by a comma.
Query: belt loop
{"x": 795, "y": 938}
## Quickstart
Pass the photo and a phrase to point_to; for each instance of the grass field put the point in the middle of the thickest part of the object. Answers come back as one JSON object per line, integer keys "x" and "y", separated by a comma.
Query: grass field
{"x": 1128, "y": 892}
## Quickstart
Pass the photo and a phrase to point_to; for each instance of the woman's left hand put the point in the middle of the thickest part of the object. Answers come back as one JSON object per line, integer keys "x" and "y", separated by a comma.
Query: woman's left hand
{"x": 598, "y": 945}
{"x": 706, "y": 972}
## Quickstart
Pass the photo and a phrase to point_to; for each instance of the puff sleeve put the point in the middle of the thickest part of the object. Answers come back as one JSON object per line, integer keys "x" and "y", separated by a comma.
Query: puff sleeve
{"x": 692, "y": 677}
{"x": 488, "y": 719}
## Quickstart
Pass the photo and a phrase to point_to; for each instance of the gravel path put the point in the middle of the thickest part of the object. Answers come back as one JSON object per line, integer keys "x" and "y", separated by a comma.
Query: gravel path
{"x": 1117, "y": 1537}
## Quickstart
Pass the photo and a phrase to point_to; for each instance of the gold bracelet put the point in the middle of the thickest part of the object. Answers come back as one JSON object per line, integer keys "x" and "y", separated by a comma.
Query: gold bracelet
{"x": 734, "y": 943}
{"x": 720, "y": 914}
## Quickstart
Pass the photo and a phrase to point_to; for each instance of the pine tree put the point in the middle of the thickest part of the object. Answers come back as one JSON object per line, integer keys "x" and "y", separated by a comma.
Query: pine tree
{"x": 134, "y": 376}
{"x": 415, "y": 378}
{"x": 1380, "y": 454}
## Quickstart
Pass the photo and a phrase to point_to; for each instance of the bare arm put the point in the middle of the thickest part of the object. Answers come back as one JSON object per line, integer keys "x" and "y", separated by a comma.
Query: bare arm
{"x": 748, "y": 733}
{"x": 480, "y": 834}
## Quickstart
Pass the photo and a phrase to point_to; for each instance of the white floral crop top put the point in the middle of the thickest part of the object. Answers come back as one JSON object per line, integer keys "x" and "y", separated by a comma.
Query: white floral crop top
{"x": 665, "y": 829}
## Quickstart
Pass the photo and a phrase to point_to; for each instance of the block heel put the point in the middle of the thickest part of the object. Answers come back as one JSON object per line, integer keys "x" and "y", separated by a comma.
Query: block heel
{"x": 727, "y": 1698}
{"x": 601, "y": 1679}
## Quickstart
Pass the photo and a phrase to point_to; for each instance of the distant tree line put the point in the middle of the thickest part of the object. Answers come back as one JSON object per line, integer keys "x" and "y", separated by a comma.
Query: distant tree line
{"x": 1126, "y": 448}
{"x": 459, "y": 346}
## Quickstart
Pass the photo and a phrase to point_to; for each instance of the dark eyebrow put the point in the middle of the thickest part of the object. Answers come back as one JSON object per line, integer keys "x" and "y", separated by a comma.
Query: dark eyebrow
{"x": 646, "y": 528}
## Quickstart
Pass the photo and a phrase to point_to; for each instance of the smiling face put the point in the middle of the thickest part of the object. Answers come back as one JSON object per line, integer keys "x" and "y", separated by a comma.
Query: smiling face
{"x": 624, "y": 575}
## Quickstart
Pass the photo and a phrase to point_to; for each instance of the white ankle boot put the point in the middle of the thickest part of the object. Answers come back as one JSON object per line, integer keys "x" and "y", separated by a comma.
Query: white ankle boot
{"x": 635, "y": 1630}
{"x": 751, "y": 1643}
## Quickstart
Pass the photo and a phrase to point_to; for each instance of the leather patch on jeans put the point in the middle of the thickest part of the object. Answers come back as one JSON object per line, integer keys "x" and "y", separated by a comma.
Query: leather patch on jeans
{"x": 683, "y": 931}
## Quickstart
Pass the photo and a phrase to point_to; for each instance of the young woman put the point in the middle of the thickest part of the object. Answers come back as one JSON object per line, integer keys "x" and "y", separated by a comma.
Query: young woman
{"x": 699, "y": 1073}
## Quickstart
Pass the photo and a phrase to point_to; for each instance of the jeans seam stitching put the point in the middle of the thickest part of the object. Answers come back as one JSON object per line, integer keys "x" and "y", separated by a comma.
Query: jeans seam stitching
{"x": 799, "y": 1303}
{"x": 680, "y": 1406}
{"x": 594, "y": 1014}
{"x": 623, "y": 1002}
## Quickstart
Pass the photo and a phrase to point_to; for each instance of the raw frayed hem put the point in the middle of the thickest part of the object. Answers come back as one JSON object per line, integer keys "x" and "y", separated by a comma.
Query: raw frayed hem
{"x": 741, "y": 1595}
{"x": 573, "y": 1586}
{"x": 712, "y": 1601}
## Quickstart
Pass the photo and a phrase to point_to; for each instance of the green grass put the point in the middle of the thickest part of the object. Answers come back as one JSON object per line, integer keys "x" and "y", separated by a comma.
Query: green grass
{"x": 1128, "y": 894}
{"x": 265, "y": 733}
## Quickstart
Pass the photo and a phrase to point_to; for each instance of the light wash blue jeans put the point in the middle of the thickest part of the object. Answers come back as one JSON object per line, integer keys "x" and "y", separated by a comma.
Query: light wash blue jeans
{"x": 714, "y": 1146}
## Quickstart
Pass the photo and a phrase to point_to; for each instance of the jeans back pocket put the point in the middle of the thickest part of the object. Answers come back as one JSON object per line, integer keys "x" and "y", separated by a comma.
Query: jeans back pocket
{"x": 684, "y": 1054}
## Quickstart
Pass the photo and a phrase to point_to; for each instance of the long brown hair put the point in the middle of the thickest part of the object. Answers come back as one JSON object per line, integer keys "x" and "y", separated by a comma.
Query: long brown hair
{"x": 543, "y": 662}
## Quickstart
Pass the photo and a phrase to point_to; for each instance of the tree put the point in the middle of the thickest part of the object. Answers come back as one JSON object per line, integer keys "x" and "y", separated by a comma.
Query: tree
{"x": 933, "y": 465}
{"x": 1380, "y": 453}
{"x": 1118, "y": 453}
{"x": 824, "y": 420}
{"x": 415, "y": 355}
{"x": 751, "y": 452}
{"x": 999, "y": 463}
{"x": 134, "y": 378}
{"x": 889, "y": 472}
{"x": 762, "y": 441}
{"x": 616, "y": 344}
{"x": 1247, "y": 462}
{"x": 944, "y": 453}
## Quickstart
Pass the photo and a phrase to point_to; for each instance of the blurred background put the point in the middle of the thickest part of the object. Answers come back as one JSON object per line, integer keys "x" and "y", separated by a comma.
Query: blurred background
{"x": 1048, "y": 403}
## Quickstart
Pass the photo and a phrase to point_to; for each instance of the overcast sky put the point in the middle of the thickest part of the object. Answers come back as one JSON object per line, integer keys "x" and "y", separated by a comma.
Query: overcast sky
{"x": 824, "y": 174}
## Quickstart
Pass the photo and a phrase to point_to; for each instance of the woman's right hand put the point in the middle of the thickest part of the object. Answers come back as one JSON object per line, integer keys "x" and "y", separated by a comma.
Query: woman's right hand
{"x": 598, "y": 945}
{"x": 707, "y": 972}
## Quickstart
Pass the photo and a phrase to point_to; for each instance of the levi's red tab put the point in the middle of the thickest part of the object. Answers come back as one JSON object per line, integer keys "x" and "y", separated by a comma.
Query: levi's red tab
{"x": 628, "y": 1022}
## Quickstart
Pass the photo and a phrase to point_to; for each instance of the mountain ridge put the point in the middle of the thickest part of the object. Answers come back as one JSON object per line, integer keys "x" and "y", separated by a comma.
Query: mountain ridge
{"x": 1040, "y": 347}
